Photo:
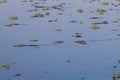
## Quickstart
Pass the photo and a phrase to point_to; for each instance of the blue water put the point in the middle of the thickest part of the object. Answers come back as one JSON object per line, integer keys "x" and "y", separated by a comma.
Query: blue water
{"x": 93, "y": 61}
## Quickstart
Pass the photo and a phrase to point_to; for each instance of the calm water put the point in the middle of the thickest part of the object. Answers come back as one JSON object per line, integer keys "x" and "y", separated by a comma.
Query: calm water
{"x": 93, "y": 61}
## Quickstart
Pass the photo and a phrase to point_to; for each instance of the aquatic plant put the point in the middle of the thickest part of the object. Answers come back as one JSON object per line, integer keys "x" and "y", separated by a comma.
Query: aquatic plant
{"x": 91, "y": 1}
{"x": 36, "y": 46}
{"x": 105, "y": 3}
{"x": 80, "y": 10}
{"x": 94, "y": 27}
{"x": 13, "y": 17}
{"x": 68, "y": 60}
{"x": 30, "y": 0}
{"x": 82, "y": 42}
{"x": 55, "y": 20}
{"x": 14, "y": 62}
{"x": 101, "y": 11}
{"x": 4, "y": 1}
{"x": 44, "y": 9}
{"x": 118, "y": 0}
{"x": 81, "y": 22}
{"x": 37, "y": 15}
{"x": 5, "y": 65}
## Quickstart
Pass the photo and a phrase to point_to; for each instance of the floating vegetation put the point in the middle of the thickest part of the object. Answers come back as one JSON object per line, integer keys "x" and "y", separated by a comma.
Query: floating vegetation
{"x": 30, "y": 0}
{"x": 94, "y": 27}
{"x": 95, "y": 18}
{"x": 81, "y": 42}
{"x": 55, "y": 20}
{"x": 36, "y": 46}
{"x": 77, "y": 35}
{"x": 10, "y": 25}
{"x": 37, "y": 15}
{"x": 5, "y": 65}
{"x": 58, "y": 7}
{"x": 45, "y": 9}
{"x": 13, "y": 24}
{"x": 14, "y": 62}
{"x": 81, "y": 22}
{"x": 102, "y": 22}
{"x": 35, "y": 40}
{"x": 68, "y": 60}
{"x": 80, "y": 10}
{"x": 13, "y": 18}
{"x": 4, "y": 1}
{"x": 47, "y": 13}
{"x": 101, "y": 11}
{"x": 105, "y": 3}
{"x": 58, "y": 30}
{"x": 32, "y": 10}
{"x": 50, "y": 20}
{"x": 59, "y": 41}
{"x": 73, "y": 21}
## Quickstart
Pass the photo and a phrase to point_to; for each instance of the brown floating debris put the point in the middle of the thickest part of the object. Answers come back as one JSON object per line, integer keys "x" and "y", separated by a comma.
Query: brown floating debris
{"x": 95, "y": 18}
{"x": 47, "y": 13}
{"x": 50, "y": 20}
{"x": 77, "y": 35}
{"x": 59, "y": 41}
{"x": 59, "y": 13}
{"x": 14, "y": 24}
{"x": 34, "y": 40}
{"x": 102, "y": 22}
{"x": 58, "y": 30}
{"x": 37, "y": 15}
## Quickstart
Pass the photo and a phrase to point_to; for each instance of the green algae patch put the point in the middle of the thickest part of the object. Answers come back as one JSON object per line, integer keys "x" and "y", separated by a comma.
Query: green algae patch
{"x": 4, "y": 1}
{"x": 5, "y": 65}
{"x": 80, "y": 10}
{"x": 45, "y": 9}
{"x": 101, "y": 11}
{"x": 68, "y": 60}
{"x": 13, "y": 18}
{"x": 94, "y": 27}
{"x": 105, "y": 3}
